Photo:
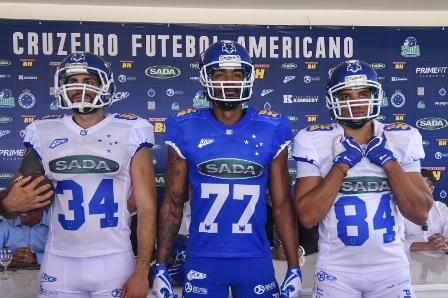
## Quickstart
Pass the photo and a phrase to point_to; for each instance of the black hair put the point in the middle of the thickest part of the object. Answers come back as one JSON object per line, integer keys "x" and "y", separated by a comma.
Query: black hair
{"x": 428, "y": 174}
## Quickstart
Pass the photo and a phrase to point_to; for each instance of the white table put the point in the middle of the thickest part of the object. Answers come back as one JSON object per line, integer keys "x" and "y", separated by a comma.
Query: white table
{"x": 429, "y": 272}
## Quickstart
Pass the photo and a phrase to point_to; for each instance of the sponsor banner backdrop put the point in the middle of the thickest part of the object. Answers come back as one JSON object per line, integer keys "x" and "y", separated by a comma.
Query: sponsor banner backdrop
{"x": 156, "y": 73}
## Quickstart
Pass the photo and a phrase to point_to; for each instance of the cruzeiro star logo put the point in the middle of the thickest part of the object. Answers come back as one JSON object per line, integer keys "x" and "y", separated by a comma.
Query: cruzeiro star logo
{"x": 228, "y": 46}
{"x": 78, "y": 57}
{"x": 353, "y": 65}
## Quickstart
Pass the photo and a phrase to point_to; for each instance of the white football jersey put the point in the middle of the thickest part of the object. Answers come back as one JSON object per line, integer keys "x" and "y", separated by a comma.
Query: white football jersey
{"x": 359, "y": 233}
{"x": 90, "y": 169}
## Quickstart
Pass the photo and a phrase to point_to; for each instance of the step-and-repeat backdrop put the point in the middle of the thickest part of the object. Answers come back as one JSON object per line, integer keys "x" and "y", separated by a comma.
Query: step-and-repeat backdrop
{"x": 156, "y": 72}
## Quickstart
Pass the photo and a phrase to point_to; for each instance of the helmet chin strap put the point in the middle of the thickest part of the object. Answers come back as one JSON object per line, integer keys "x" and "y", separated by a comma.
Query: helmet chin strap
{"x": 86, "y": 111}
{"x": 355, "y": 124}
{"x": 227, "y": 105}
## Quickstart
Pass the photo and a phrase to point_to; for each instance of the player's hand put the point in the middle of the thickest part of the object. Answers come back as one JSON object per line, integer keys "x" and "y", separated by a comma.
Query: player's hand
{"x": 136, "y": 286}
{"x": 161, "y": 284}
{"x": 347, "y": 151}
{"x": 380, "y": 150}
{"x": 22, "y": 198}
{"x": 292, "y": 285}
{"x": 278, "y": 253}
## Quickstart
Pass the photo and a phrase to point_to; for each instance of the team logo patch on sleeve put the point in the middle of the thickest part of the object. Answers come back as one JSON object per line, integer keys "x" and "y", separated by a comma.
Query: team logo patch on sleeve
{"x": 127, "y": 116}
{"x": 269, "y": 113}
{"x": 319, "y": 127}
{"x": 397, "y": 126}
{"x": 53, "y": 116}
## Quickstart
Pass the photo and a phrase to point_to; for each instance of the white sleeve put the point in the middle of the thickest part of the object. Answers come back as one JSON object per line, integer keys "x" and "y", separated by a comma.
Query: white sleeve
{"x": 414, "y": 166}
{"x": 304, "y": 150}
{"x": 305, "y": 169}
{"x": 415, "y": 150}
{"x": 142, "y": 134}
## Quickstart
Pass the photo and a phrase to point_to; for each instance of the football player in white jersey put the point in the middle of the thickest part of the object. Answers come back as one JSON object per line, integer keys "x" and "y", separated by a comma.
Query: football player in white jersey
{"x": 350, "y": 176}
{"x": 230, "y": 156}
{"x": 93, "y": 159}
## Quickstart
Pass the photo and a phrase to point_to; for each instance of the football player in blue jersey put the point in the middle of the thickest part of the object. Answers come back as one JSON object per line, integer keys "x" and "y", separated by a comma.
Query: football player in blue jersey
{"x": 230, "y": 156}
{"x": 351, "y": 176}
{"x": 93, "y": 160}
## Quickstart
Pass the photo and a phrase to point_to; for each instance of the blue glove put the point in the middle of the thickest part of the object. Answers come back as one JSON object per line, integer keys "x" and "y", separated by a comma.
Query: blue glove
{"x": 292, "y": 285}
{"x": 380, "y": 150}
{"x": 161, "y": 284}
{"x": 348, "y": 151}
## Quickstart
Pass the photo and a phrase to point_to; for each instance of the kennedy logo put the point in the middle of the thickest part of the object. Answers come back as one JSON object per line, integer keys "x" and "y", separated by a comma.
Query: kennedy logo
{"x": 230, "y": 168}
{"x": 162, "y": 72}
{"x": 23, "y": 77}
{"x": 297, "y": 99}
{"x": 83, "y": 164}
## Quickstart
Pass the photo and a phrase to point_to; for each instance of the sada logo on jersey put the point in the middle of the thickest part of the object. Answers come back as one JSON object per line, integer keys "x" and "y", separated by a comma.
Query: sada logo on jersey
{"x": 230, "y": 168}
{"x": 160, "y": 180}
{"x": 364, "y": 185}
{"x": 431, "y": 123}
{"x": 82, "y": 164}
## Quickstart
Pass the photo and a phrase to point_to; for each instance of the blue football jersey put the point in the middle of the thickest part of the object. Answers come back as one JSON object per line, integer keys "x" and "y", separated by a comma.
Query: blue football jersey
{"x": 228, "y": 171}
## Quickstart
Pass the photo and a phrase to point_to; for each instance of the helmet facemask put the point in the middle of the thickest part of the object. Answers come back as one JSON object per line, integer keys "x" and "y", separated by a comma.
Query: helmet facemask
{"x": 354, "y": 81}
{"x": 226, "y": 55}
{"x": 104, "y": 93}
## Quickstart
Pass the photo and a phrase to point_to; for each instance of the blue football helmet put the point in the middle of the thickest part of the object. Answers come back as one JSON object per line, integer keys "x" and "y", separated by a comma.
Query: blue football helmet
{"x": 410, "y": 41}
{"x": 6, "y": 93}
{"x": 84, "y": 63}
{"x": 226, "y": 54}
{"x": 353, "y": 74}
